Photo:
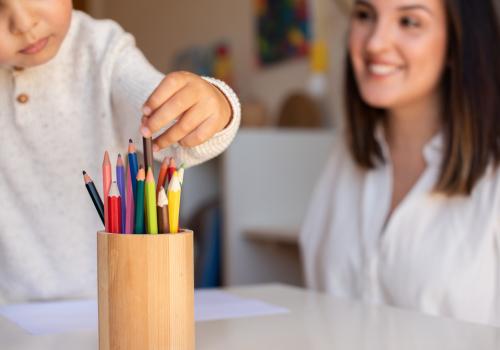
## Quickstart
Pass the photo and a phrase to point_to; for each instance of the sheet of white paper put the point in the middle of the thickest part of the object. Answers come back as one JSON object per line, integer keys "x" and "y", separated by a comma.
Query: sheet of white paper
{"x": 71, "y": 316}
{"x": 53, "y": 317}
{"x": 217, "y": 305}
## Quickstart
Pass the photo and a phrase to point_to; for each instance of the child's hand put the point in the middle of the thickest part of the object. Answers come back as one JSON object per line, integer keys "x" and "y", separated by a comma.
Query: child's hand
{"x": 200, "y": 108}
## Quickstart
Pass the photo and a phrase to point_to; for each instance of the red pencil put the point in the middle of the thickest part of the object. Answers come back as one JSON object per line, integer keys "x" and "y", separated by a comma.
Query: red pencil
{"x": 162, "y": 176}
{"x": 114, "y": 209}
{"x": 171, "y": 168}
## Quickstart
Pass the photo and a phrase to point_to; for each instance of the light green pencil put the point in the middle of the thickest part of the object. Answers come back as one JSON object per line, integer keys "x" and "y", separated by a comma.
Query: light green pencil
{"x": 150, "y": 194}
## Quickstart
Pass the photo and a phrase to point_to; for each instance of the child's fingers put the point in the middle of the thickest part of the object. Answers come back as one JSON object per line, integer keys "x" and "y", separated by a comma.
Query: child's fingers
{"x": 179, "y": 103}
{"x": 172, "y": 83}
{"x": 201, "y": 134}
{"x": 184, "y": 126}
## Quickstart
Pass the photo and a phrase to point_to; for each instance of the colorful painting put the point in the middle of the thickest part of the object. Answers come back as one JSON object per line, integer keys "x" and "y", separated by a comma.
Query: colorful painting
{"x": 283, "y": 30}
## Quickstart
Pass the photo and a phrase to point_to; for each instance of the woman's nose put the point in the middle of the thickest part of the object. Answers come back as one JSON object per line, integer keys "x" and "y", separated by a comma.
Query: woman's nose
{"x": 380, "y": 38}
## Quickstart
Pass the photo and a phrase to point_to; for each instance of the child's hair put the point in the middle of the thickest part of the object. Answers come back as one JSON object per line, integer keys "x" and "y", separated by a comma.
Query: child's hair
{"x": 471, "y": 101}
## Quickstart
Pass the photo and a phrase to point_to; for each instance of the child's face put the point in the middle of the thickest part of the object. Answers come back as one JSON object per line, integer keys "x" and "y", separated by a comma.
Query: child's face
{"x": 32, "y": 31}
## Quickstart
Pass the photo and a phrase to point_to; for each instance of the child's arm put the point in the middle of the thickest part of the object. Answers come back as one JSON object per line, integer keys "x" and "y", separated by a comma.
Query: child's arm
{"x": 202, "y": 114}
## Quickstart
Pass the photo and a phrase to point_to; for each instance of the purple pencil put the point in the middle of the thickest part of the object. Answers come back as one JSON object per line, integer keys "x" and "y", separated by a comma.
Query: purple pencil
{"x": 120, "y": 179}
{"x": 130, "y": 217}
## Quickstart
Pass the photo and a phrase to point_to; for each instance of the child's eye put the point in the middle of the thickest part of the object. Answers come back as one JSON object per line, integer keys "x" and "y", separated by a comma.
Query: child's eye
{"x": 409, "y": 22}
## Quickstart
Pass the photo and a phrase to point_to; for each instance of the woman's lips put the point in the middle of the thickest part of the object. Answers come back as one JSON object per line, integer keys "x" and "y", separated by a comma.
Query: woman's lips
{"x": 36, "y": 47}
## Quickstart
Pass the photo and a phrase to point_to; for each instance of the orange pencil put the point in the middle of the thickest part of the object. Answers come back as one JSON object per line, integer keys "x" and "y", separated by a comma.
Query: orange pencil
{"x": 106, "y": 184}
{"x": 162, "y": 176}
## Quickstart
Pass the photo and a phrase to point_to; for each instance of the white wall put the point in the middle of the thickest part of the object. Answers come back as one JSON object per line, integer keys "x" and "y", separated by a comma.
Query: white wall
{"x": 163, "y": 27}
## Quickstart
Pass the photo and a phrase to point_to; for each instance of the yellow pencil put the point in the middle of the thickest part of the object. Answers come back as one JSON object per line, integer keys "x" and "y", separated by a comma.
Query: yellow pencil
{"x": 174, "y": 202}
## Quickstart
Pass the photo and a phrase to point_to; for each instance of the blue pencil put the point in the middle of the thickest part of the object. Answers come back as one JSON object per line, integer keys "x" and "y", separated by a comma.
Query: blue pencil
{"x": 134, "y": 166}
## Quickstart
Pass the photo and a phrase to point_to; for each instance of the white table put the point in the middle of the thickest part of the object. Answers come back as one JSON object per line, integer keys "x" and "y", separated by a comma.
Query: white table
{"x": 316, "y": 321}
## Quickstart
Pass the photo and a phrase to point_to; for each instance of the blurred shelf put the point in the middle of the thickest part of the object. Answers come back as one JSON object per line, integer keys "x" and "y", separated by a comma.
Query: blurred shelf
{"x": 272, "y": 235}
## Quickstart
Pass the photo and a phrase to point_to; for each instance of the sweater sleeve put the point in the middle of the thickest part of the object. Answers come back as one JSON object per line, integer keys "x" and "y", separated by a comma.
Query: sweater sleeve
{"x": 133, "y": 79}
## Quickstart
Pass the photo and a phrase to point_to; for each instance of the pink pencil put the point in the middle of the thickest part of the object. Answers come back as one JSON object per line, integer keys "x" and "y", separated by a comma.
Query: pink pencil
{"x": 106, "y": 185}
{"x": 129, "y": 224}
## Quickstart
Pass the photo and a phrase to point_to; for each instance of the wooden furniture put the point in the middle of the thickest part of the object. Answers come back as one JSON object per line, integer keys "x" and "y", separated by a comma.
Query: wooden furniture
{"x": 268, "y": 176}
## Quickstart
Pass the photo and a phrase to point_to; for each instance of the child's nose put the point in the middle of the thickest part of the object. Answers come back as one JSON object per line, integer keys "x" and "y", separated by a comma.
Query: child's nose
{"x": 22, "y": 20}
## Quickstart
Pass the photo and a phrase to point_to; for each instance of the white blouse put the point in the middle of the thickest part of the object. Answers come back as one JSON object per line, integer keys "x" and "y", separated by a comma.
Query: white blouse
{"x": 436, "y": 254}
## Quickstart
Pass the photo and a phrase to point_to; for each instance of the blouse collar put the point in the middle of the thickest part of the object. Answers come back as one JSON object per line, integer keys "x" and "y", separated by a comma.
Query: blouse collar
{"x": 432, "y": 152}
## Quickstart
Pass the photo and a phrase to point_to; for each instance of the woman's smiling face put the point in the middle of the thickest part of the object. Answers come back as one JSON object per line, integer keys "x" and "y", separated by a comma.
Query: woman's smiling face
{"x": 398, "y": 50}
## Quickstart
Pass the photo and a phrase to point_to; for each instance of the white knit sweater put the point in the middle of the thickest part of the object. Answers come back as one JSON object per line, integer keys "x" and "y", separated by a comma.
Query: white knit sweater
{"x": 87, "y": 99}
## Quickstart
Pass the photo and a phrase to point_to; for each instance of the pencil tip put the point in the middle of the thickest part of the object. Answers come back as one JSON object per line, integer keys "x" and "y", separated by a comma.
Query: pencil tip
{"x": 84, "y": 172}
{"x": 130, "y": 141}
{"x": 149, "y": 175}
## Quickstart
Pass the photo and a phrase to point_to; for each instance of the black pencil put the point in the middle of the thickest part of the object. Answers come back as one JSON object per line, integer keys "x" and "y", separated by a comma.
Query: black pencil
{"x": 94, "y": 195}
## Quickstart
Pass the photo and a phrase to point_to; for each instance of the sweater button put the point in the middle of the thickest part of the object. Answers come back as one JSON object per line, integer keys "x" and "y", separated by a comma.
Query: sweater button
{"x": 23, "y": 98}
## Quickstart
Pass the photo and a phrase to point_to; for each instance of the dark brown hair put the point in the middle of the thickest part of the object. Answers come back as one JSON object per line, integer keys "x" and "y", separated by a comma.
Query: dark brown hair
{"x": 471, "y": 101}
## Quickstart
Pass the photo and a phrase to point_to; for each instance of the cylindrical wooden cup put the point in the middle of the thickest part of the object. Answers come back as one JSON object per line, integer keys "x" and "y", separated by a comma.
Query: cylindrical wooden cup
{"x": 146, "y": 291}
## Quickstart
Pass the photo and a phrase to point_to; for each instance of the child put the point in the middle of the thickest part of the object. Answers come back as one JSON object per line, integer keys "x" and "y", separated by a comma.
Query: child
{"x": 407, "y": 212}
{"x": 71, "y": 87}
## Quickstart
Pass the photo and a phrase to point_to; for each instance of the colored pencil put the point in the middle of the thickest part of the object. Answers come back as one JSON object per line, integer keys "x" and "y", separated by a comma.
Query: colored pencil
{"x": 171, "y": 168}
{"x": 162, "y": 211}
{"x": 120, "y": 179}
{"x": 114, "y": 209}
{"x": 94, "y": 195}
{"x": 106, "y": 184}
{"x": 130, "y": 204}
{"x": 134, "y": 165}
{"x": 150, "y": 195}
{"x": 147, "y": 144}
{"x": 174, "y": 201}
{"x": 162, "y": 176}
{"x": 139, "y": 204}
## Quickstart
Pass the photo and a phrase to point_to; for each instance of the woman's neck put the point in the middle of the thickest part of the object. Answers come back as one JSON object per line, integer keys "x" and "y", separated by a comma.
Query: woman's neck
{"x": 409, "y": 128}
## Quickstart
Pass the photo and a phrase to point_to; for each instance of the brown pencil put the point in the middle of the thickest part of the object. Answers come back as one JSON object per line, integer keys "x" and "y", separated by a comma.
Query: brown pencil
{"x": 162, "y": 211}
{"x": 147, "y": 147}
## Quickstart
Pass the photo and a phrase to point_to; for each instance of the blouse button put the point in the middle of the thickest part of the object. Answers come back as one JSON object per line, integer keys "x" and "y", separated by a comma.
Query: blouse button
{"x": 22, "y": 98}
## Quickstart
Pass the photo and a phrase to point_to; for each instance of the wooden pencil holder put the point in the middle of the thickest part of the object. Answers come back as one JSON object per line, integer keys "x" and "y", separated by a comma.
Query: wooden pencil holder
{"x": 146, "y": 291}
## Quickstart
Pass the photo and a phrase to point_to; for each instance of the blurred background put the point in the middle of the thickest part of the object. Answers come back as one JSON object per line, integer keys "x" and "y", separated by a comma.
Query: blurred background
{"x": 284, "y": 58}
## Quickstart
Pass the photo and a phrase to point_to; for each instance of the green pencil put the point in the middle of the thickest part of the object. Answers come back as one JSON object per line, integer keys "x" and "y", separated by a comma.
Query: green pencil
{"x": 150, "y": 194}
{"x": 139, "y": 205}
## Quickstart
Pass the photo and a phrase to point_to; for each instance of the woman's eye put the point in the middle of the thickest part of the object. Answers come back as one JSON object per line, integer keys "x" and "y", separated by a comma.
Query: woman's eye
{"x": 409, "y": 22}
{"x": 362, "y": 15}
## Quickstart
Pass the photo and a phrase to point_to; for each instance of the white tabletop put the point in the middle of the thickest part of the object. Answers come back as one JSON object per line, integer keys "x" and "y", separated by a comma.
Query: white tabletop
{"x": 316, "y": 321}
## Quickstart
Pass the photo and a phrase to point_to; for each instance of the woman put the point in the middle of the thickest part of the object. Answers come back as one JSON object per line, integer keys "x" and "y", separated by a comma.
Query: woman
{"x": 407, "y": 212}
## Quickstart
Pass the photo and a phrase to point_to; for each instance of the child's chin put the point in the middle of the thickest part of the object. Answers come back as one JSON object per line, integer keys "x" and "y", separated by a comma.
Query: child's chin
{"x": 36, "y": 60}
